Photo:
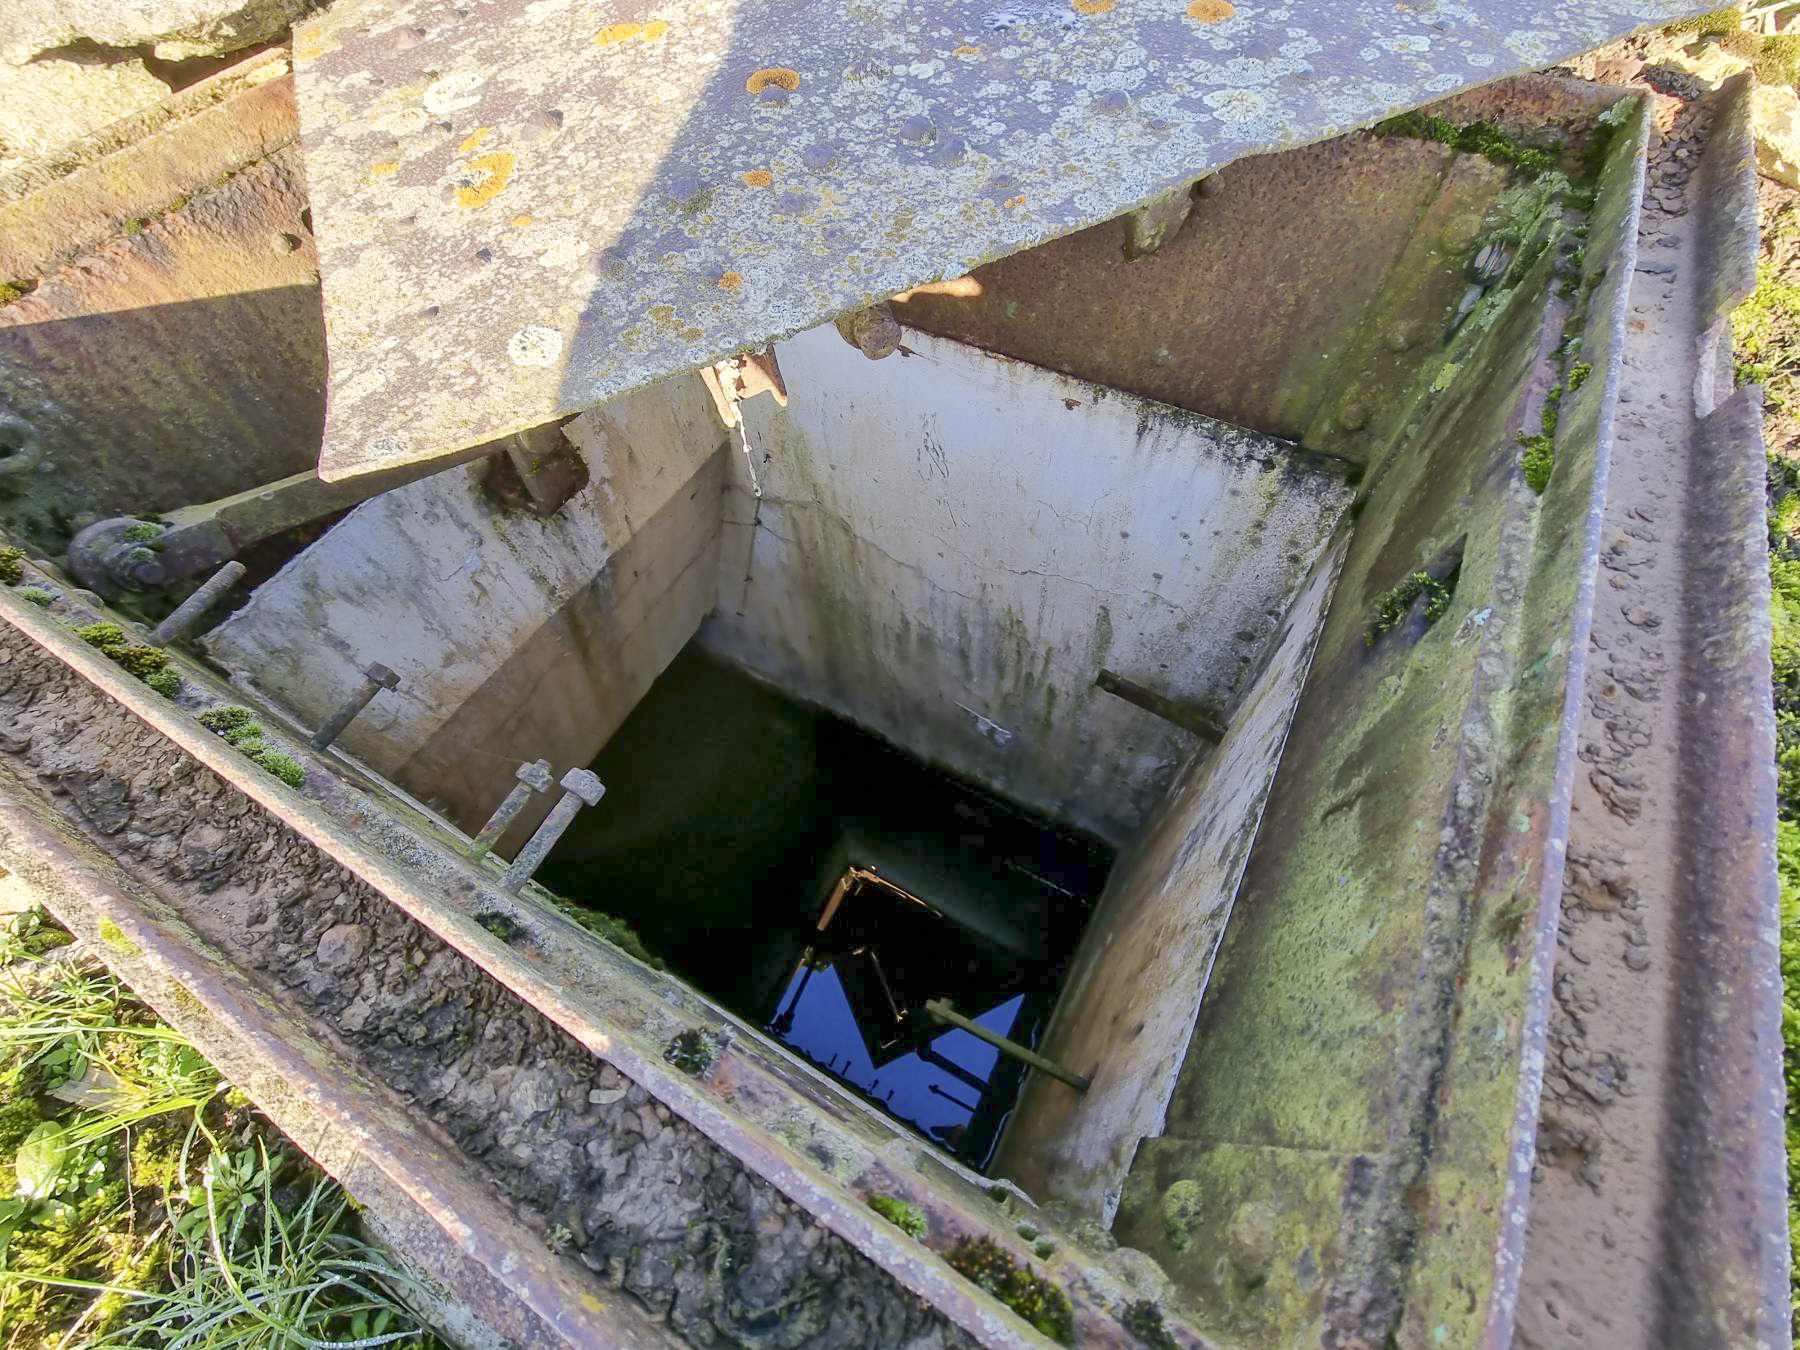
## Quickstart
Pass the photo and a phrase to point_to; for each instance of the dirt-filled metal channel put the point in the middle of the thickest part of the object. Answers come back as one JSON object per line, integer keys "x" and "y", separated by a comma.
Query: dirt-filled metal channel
{"x": 1158, "y": 663}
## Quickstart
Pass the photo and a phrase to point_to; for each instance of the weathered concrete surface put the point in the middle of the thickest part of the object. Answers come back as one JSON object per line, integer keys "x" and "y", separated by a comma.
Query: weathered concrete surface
{"x": 145, "y": 166}
{"x": 1127, "y": 1009}
{"x": 549, "y": 630}
{"x": 47, "y": 104}
{"x": 173, "y": 30}
{"x": 172, "y": 350}
{"x": 1379, "y": 984}
{"x": 949, "y": 546}
{"x": 659, "y": 192}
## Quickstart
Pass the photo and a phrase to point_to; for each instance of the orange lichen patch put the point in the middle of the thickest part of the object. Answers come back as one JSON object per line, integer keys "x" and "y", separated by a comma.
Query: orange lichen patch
{"x": 730, "y": 281}
{"x": 1011, "y": 202}
{"x": 615, "y": 33}
{"x": 758, "y": 178}
{"x": 692, "y": 334}
{"x": 662, "y": 315}
{"x": 1092, "y": 6}
{"x": 520, "y": 222}
{"x": 386, "y": 169}
{"x": 779, "y": 76}
{"x": 1211, "y": 11}
{"x": 473, "y": 140}
{"x": 966, "y": 50}
{"x": 494, "y": 169}
{"x": 655, "y": 29}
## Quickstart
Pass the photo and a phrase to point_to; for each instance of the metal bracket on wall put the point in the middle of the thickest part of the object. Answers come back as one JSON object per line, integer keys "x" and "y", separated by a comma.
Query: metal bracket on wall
{"x": 1202, "y": 721}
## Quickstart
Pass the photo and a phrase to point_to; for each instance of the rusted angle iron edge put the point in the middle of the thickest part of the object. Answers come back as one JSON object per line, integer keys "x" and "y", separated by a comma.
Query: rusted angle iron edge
{"x": 442, "y": 1222}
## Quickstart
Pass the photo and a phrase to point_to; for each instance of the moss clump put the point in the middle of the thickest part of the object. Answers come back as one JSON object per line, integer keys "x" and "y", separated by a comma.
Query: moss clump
{"x": 1144, "y": 1320}
{"x": 909, "y": 1219}
{"x": 284, "y": 766}
{"x": 146, "y": 663}
{"x": 1578, "y": 374}
{"x": 12, "y": 564}
{"x": 108, "y": 637}
{"x": 985, "y": 1263}
{"x": 1537, "y": 461}
{"x": 140, "y": 661}
{"x": 1475, "y": 138}
{"x": 1392, "y": 607}
{"x": 614, "y": 930}
{"x": 238, "y": 727}
{"x": 694, "y": 1052}
{"x": 15, "y": 290}
{"x": 37, "y": 595}
{"x": 231, "y": 722}
{"x": 142, "y": 532}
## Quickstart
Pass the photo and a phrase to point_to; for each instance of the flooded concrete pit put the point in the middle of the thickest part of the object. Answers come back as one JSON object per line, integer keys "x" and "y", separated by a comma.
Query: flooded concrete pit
{"x": 1156, "y": 661}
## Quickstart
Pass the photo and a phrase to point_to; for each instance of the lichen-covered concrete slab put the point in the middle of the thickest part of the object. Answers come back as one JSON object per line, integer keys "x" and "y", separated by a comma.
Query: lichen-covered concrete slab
{"x": 527, "y": 206}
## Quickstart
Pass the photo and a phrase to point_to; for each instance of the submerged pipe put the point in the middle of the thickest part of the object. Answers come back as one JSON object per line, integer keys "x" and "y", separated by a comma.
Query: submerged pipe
{"x": 941, "y": 1010}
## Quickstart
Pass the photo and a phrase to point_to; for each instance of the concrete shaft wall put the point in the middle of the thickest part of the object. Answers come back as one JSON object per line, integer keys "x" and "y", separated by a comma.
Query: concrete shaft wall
{"x": 1346, "y": 1141}
{"x": 949, "y": 546}
{"x": 1133, "y": 991}
{"x": 514, "y": 638}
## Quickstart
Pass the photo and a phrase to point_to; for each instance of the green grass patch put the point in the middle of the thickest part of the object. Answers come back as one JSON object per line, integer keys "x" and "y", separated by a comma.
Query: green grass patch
{"x": 1766, "y": 332}
{"x": 163, "y": 1212}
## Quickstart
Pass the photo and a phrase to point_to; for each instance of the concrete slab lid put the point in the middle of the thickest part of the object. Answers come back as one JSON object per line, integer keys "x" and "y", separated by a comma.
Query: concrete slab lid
{"x": 525, "y": 207}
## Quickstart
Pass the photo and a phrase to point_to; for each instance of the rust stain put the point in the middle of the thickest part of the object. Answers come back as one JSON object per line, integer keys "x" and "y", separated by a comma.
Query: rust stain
{"x": 495, "y": 168}
{"x": 386, "y": 169}
{"x": 779, "y": 76}
{"x": 758, "y": 178}
{"x": 730, "y": 281}
{"x": 473, "y": 140}
{"x": 1211, "y": 11}
{"x": 1092, "y": 6}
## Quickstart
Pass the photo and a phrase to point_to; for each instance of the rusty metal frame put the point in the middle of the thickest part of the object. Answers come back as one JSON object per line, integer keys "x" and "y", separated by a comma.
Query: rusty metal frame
{"x": 441, "y": 1221}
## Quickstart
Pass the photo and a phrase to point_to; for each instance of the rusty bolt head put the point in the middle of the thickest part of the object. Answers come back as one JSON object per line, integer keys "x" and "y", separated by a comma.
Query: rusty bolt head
{"x": 381, "y": 675}
{"x": 584, "y": 785}
{"x": 536, "y": 775}
{"x": 875, "y": 332}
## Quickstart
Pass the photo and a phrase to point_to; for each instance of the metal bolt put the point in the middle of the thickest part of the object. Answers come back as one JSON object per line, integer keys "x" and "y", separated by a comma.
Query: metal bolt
{"x": 875, "y": 332}
{"x": 376, "y": 678}
{"x": 533, "y": 777}
{"x": 188, "y": 612}
{"x": 579, "y": 786}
